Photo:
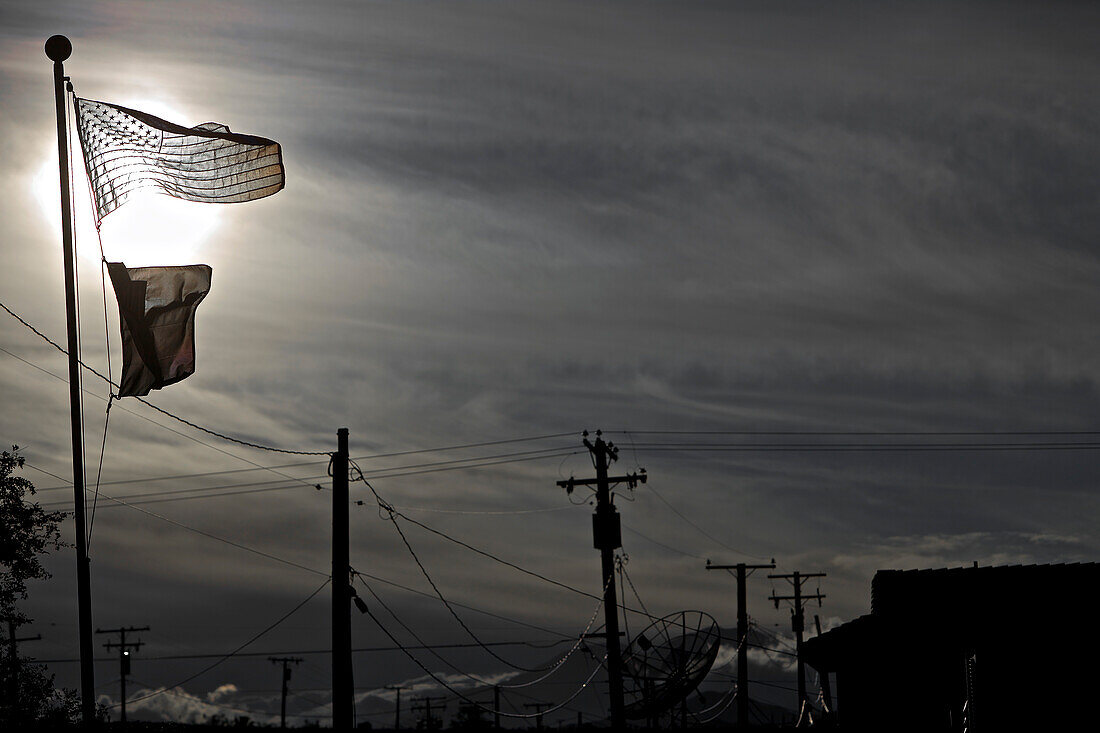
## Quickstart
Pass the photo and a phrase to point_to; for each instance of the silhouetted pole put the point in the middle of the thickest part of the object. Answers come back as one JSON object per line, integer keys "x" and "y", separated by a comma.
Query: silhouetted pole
{"x": 286, "y": 679}
{"x": 743, "y": 571}
{"x": 397, "y": 706}
{"x": 341, "y": 584}
{"x": 496, "y": 707}
{"x": 58, "y": 48}
{"x": 124, "y": 648}
{"x": 826, "y": 686}
{"x": 798, "y": 621}
{"x": 539, "y": 707}
{"x": 426, "y": 706}
{"x": 607, "y": 536}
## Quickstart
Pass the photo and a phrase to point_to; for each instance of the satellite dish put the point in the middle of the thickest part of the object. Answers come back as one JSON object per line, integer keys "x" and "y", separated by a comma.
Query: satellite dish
{"x": 667, "y": 660}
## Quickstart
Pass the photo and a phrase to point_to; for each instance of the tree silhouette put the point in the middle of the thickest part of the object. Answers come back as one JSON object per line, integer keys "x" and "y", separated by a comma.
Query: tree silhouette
{"x": 26, "y": 532}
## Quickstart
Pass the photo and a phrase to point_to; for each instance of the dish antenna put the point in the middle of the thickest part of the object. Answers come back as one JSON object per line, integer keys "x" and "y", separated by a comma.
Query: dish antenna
{"x": 667, "y": 660}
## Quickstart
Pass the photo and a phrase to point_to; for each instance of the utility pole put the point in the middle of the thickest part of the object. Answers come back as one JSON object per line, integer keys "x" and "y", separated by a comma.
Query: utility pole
{"x": 607, "y": 537}
{"x": 124, "y": 648}
{"x": 426, "y": 706}
{"x": 286, "y": 678}
{"x": 341, "y": 589}
{"x": 743, "y": 572}
{"x": 826, "y": 686}
{"x": 58, "y": 49}
{"x": 798, "y": 601}
{"x": 397, "y": 706}
{"x": 13, "y": 652}
{"x": 539, "y": 707}
{"x": 496, "y": 707}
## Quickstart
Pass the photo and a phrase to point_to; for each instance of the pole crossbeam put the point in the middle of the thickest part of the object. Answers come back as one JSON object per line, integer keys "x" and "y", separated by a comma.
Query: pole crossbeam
{"x": 539, "y": 708}
{"x": 425, "y": 704}
{"x": 397, "y": 705}
{"x": 798, "y": 623}
{"x": 286, "y": 679}
{"x": 631, "y": 479}
{"x": 124, "y": 648}
{"x": 743, "y": 571}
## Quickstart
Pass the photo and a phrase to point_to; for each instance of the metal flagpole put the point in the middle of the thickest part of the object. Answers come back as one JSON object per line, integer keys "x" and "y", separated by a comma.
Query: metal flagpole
{"x": 58, "y": 48}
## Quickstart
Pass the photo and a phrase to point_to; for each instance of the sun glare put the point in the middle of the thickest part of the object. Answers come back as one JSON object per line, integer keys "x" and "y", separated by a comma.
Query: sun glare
{"x": 149, "y": 229}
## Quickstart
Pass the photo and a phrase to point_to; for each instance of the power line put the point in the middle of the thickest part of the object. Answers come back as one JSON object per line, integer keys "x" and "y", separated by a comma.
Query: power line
{"x": 647, "y": 538}
{"x": 468, "y": 607}
{"x": 699, "y": 529}
{"x": 312, "y": 463}
{"x": 365, "y": 649}
{"x": 292, "y": 482}
{"x": 210, "y": 535}
{"x": 416, "y": 636}
{"x": 382, "y": 505}
{"x": 457, "y": 693}
{"x": 147, "y": 419}
{"x": 389, "y": 508}
{"x": 864, "y": 447}
{"x": 204, "y": 474}
{"x": 161, "y": 410}
{"x": 270, "y": 485}
{"x": 855, "y": 433}
{"x": 500, "y": 560}
{"x": 233, "y": 653}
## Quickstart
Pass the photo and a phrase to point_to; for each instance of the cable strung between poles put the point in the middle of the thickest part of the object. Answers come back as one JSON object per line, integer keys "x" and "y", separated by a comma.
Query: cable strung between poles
{"x": 161, "y": 410}
{"x": 552, "y": 668}
{"x": 385, "y": 506}
{"x": 470, "y": 701}
{"x": 206, "y": 669}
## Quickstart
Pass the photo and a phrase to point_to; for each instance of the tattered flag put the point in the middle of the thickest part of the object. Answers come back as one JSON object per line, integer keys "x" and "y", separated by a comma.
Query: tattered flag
{"x": 157, "y": 314}
{"x": 126, "y": 150}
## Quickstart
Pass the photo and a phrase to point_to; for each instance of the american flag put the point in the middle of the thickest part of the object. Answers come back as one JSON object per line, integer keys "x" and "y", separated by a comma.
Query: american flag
{"x": 126, "y": 150}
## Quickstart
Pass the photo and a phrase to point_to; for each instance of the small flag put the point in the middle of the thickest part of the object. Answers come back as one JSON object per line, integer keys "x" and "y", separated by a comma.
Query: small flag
{"x": 126, "y": 150}
{"x": 157, "y": 313}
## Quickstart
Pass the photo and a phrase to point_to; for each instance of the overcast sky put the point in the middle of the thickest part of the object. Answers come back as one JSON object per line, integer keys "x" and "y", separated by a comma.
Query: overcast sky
{"x": 507, "y": 220}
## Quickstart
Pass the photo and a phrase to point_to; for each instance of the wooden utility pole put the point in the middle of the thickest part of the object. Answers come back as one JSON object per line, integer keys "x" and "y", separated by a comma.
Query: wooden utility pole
{"x": 743, "y": 571}
{"x": 342, "y": 701}
{"x": 397, "y": 706}
{"x": 798, "y": 623}
{"x": 286, "y": 679}
{"x": 607, "y": 537}
{"x": 496, "y": 707}
{"x": 426, "y": 706}
{"x": 826, "y": 686}
{"x": 539, "y": 707}
{"x": 58, "y": 49}
{"x": 124, "y": 648}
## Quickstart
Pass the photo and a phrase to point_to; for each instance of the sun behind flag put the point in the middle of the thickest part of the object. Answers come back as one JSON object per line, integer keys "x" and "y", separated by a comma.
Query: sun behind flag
{"x": 126, "y": 150}
{"x": 157, "y": 314}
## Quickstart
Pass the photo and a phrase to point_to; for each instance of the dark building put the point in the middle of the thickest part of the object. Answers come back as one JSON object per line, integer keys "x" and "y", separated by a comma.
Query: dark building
{"x": 974, "y": 648}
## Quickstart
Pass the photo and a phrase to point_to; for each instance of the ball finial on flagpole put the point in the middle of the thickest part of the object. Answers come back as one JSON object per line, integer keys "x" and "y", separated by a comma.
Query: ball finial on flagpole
{"x": 58, "y": 48}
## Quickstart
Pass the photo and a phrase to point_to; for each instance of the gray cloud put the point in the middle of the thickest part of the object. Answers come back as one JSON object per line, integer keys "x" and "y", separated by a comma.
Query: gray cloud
{"x": 519, "y": 219}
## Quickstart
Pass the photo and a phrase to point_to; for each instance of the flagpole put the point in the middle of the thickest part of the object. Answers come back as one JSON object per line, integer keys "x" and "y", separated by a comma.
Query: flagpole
{"x": 58, "y": 48}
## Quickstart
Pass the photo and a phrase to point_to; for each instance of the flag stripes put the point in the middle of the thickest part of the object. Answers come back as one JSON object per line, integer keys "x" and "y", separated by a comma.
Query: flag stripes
{"x": 126, "y": 150}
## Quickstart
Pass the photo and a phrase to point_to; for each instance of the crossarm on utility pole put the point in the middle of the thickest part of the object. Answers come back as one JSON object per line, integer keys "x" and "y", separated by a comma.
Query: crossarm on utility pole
{"x": 743, "y": 571}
